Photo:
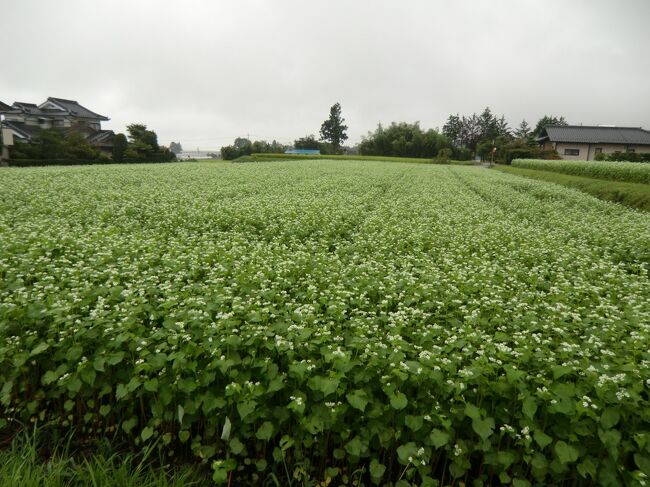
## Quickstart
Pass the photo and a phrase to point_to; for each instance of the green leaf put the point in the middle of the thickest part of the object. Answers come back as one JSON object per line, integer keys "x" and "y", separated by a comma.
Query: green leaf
{"x": 146, "y": 433}
{"x": 245, "y": 408}
{"x": 529, "y": 407}
{"x": 610, "y": 418}
{"x": 211, "y": 403}
{"x": 377, "y": 470}
{"x": 542, "y": 438}
{"x": 520, "y": 483}
{"x": 265, "y": 432}
{"x": 88, "y": 375}
{"x": 115, "y": 358}
{"x": 98, "y": 364}
{"x": 5, "y": 394}
{"x": 587, "y": 468}
{"x": 483, "y": 427}
{"x": 358, "y": 399}
{"x": 183, "y": 435}
{"x": 610, "y": 438}
{"x": 472, "y": 411}
{"x": 565, "y": 452}
{"x": 414, "y": 423}
{"x": 439, "y": 438}
{"x": 120, "y": 391}
{"x": 643, "y": 462}
{"x": 236, "y": 446}
{"x": 276, "y": 384}
{"x": 129, "y": 424}
{"x": 74, "y": 353}
{"x": 74, "y": 384}
{"x": 104, "y": 409}
{"x": 49, "y": 377}
{"x": 354, "y": 447}
{"x": 406, "y": 452}
{"x": 38, "y": 349}
{"x": 151, "y": 385}
{"x": 398, "y": 401}
{"x": 326, "y": 385}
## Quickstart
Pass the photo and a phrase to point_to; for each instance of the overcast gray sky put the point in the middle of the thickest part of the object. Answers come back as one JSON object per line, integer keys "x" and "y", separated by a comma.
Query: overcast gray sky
{"x": 204, "y": 72}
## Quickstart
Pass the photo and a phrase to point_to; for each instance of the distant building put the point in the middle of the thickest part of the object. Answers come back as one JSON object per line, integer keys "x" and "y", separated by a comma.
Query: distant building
{"x": 584, "y": 143}
{"x": 26, "y": 120}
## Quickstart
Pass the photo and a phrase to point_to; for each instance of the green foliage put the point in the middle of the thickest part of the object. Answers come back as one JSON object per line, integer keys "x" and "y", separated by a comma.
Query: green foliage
{"x": 176, "y": 147}
{"x": 120, "y": 145}
{"x": 523, "y": 149}
{"x": 476, "y": 133}
{"x": 55, "y": 144}
{"x": 547, "y": 120}
{"x": 306, "y": 142}
{"x": 615, "y": 171}
{"x": 403, "y": 140}
{"x": 624, "y": 156}
{"x": 143, "y": 146}
{"x": 333, "y": 130}
{"x": 289, "y": 322}
{"x": 243, "y": 147}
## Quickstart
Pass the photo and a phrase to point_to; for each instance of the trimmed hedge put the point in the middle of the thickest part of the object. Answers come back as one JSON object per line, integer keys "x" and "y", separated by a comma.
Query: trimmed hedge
{"x": 77, "y": 162}
{"x": 617, "y": 171}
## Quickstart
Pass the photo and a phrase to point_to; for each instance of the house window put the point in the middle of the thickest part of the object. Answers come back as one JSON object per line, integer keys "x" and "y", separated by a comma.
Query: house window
{"x": 598, "y": 150}
{"x": 631, "y": 150}
{"x": 571, "y": 152}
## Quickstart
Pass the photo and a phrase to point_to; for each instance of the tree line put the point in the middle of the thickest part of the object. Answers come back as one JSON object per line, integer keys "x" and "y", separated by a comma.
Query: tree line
{"x": 333, "y": 133}
{"x": 462, "y": 137}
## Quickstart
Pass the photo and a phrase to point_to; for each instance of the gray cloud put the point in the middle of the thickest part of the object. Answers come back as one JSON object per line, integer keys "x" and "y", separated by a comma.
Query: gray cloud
{"x": 203, "y": 72}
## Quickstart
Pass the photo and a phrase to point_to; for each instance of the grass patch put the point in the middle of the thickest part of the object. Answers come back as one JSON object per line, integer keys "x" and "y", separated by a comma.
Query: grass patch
{"x": 634, "y": 195}
{"x": 301, "y": 157}
{"x": 31, "y": 460}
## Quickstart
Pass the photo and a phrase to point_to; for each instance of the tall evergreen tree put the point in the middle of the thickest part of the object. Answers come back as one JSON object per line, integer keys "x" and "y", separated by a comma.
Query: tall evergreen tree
{"x": 332, "y": 130}
{"x": 523, "y": 131}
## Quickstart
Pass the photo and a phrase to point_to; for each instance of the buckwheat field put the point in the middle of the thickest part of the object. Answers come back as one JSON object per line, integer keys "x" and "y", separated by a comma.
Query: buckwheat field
{"x": 325, "y": 322}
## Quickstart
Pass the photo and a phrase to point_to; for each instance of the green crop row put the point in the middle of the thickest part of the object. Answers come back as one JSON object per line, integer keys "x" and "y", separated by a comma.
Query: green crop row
{"x": 618, "y": 171}
{"x": 323, "y": 323}
{"x": 325, "y": 157}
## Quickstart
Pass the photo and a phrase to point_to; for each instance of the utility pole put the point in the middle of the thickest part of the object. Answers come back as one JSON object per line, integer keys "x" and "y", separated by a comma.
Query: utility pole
{"x": 2, "y": 145}
{"x": 494, "y": 149}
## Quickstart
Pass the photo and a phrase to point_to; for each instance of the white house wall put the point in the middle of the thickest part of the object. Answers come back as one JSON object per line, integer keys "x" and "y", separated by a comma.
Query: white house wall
{"x": 588, "y": 151}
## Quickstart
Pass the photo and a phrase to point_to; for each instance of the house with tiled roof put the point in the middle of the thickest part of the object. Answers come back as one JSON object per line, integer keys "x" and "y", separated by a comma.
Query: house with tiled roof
{"x": 582, "y": 142}
{"x": 26, "y": 120}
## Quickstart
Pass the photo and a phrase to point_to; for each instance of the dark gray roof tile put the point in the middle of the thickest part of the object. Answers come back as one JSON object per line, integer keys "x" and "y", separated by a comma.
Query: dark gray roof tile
{"x": 596, "y": 135}
{"x": 76, "y": 109}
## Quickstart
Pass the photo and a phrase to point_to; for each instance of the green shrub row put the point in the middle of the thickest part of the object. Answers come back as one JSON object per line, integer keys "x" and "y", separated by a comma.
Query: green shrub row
{"x": 618, "y": 171}
{"x": 624, "y": 156}
{"x": 77, "y": 162}
{"x": 299, "y": 157}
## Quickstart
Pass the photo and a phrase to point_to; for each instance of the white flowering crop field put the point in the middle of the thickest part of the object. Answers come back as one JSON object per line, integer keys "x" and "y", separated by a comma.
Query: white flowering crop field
{"x": 358, "y": 321}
